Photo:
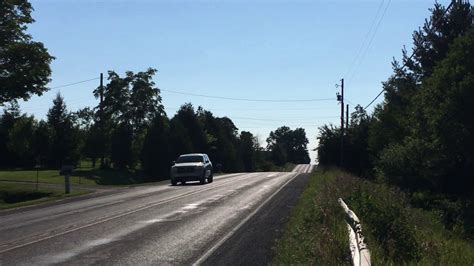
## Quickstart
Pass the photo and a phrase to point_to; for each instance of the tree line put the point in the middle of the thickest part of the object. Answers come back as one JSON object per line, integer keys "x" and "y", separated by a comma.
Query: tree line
{"x": 128, "y": 129}
{"x": 421, "y": 137}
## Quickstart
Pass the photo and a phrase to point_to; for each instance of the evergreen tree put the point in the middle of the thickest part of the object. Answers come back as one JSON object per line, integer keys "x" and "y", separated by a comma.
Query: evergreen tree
{"x": 64, "y": 144}
{"x": 155, "y": 156}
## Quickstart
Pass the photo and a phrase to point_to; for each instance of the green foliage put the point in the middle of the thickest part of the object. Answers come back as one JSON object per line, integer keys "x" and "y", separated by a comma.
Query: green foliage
{"x": 94, "y": 145}
{"x": 155, "y": 155}
{"x": 247, "y": 150}
{"x": 18, "y": 195}
{"x": 22, "y": 140}
{"x": 316, "y": 233}
{"x": 390, "y": 224}
{"x": 191, "y": 129}
{"x": 356, "y": 154}
{"x": 329, "y": 143}
{"x": 288, "y": 145}
{"x": 396, "y": 233}
{"x": 64, "y": 136}
{"x": 129, "y": 105}
{"x": 421, "y": 136}
{"x": 24, "y": 63}
{"x": 10, "y": 115}
{"x": 121, "y": 153}
{"x": 439, "y": 146}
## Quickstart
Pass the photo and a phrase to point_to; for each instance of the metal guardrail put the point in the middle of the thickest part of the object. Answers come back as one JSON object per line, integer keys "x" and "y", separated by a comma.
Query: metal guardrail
{"x": 359, "y": 249}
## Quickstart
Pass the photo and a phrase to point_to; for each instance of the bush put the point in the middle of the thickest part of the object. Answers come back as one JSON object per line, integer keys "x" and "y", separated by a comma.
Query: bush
{"x": 385, "y": 212}
{"x": 396, "y": 232}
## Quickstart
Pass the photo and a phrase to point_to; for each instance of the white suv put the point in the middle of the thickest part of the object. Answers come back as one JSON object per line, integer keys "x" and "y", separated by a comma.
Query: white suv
{"x": 191, "y": 167}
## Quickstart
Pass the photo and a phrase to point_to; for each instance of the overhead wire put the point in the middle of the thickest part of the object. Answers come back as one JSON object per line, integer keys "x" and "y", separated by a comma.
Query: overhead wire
{"x": 413, "y": 53}
{"x": 74, "y": 83}
{"x": 277, "y": 120}
{"x": 361, "y": 59}
{"x": 246, "y": 99}
{"x": 361, "y": 47}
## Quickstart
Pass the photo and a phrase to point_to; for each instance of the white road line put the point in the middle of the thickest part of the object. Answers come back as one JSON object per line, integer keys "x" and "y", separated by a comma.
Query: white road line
{"x": 228, "y": 235}
{"x": 297, "y": 167}
{"x": 306, "y": 169}
{"x": 64, "y": 256}
{"x": 66, "y": 231}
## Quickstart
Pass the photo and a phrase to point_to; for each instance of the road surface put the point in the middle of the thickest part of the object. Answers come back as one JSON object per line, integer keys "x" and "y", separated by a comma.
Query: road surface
{"x": 149, "y": 225}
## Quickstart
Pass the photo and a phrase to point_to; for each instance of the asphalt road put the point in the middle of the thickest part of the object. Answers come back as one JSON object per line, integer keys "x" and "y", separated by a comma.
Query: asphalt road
{"x": 149, "y": 225}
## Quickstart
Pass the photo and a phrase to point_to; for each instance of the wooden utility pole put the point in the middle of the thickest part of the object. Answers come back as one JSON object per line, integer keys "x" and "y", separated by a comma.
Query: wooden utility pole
{"x": 101, "y": 110}
{"x": 347, "y": 116}
{"x": 340, "y": 98}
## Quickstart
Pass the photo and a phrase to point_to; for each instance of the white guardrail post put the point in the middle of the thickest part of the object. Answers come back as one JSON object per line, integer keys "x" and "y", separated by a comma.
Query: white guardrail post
{"x": 359, "y": 250}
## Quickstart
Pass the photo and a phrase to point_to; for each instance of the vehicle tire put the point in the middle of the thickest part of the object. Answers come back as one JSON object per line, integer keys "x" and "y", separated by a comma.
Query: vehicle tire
{"x": 203, "y": 178}
{"x": 210, "y": 178}
{"x": 174, "y": 182}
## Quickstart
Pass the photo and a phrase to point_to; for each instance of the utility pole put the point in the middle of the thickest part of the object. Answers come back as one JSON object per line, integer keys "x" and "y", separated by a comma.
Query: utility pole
{"x": 347, "y": 116}
{"x": 340, "y": 98}
{"x": 101, "y": 110}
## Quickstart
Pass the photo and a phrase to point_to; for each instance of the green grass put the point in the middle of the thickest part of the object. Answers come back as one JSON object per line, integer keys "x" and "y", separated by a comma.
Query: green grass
{"x": 19, "y": 195}
{"x": 316, "y": 232}
{"x": 107, "y": 177}
{"x": 83, "y": 175}
{"x": 396, "y": 232}
{"x": 44, "y": 176}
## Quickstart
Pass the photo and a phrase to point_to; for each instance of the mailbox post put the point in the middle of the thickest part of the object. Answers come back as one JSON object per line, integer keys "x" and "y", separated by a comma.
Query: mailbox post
{"x": 66, "y": 171}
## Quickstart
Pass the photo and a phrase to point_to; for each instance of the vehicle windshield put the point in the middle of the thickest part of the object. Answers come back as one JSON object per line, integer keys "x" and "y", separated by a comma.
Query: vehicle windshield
{"x": 190, "y": 159}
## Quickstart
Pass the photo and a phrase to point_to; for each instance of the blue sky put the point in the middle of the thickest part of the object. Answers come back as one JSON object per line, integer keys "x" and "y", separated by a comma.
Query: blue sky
{"x": 242, "y": 49}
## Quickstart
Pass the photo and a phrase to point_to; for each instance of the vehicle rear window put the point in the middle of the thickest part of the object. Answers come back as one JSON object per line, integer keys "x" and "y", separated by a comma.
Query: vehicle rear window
{"x": 190, "y": 159}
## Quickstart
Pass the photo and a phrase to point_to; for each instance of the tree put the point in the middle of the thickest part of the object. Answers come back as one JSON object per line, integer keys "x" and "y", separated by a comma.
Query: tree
{"x": 430, "y": 45}
{"x": 358, "y": 159}
{"x": 187, "y": 133}
{"x": 24, "y": 63}
{"x": 248, "y": 149}
{"x": 132, "y": 101}
{"x": 329, "y": 145}
{"x": 121, "y": 153}
{"x": 155, "y": 156}
{"x": 145, "y": 99}
{"x": 438, "y": 153}
{"x": 94, "y": 146}
{"x": 288, "y": 145}
{"x": 42, "y": 142}
{"x": 7, "y": 121}
{"x": 21, "y": 141}
{"x": 65, "y": 146}
{"x": 297, "y": 149}
{"x": 432, "y": 41}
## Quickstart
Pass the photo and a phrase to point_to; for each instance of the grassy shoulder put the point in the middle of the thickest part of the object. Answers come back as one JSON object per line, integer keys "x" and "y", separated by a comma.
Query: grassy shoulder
{"x": 80, "y": 176}
{"x": 19, "y": 195}
{"x": 396, "y": 232}
{"x": 87, "y": 175}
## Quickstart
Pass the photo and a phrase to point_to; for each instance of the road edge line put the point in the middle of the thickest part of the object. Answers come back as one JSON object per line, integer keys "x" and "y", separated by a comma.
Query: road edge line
{"x": 106, "y": 219}
{"x": 221, "y": 241}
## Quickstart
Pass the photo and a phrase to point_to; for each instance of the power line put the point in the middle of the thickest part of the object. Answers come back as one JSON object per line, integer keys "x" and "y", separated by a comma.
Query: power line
{"x": 74, "y": 83}
{"x": 246, "y": 99}
{"x": 270, "y": 127}
{"x": 361, "y": 48}
{"x": 257, "y": 109}
{"x": 371, "y": 40}
{"x": 413, "y": 53}
{"x": 277, "y": 120}
{"x": 351, "y": 103}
